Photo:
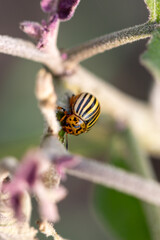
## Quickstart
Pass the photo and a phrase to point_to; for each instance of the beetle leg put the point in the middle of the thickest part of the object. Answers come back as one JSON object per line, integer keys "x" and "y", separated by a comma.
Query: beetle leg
{"x": 61, "y": 120}
{"x": 60, "y": 108}
{"x": 67, "y": 141}
{"x": 64, "y": 111}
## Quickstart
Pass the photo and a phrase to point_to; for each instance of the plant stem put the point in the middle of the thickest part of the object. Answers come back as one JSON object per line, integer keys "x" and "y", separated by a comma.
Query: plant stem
{"x": 47, "y": 98}
{"x": 25, "y": 49}
{"x": 104, "y": 174}
{"x": 109, "y": 41}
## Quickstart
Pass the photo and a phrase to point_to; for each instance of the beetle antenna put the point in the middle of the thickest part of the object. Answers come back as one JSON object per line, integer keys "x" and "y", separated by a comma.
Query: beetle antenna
{"x": 67, "y": 141}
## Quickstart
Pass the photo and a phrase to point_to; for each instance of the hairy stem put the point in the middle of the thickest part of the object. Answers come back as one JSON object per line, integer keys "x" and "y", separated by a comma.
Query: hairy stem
{"x": 109, "y": 41}
{"x": 118, "y": 179}
{"x": 25, "y": 49}
{"x": 47, "y": 98}
{"x": 104, "y": 174}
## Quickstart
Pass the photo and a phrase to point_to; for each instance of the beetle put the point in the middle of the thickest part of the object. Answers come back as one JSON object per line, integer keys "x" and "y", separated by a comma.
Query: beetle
{"x": 84, "y": 110}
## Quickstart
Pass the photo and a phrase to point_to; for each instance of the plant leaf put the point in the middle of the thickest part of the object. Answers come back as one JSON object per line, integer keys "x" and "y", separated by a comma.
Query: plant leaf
{"x": 154, "y": 9}
{"x": 151, "y": 57}
{"x": 122, "y": 215}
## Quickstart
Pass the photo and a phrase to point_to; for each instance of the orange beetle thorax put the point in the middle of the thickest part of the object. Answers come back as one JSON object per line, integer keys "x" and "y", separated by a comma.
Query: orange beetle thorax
{"x": 75, "y": 125}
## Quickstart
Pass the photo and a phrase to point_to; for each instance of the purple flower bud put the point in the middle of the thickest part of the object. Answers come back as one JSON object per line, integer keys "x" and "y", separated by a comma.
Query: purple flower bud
{"x": 66, "y": 9}
{"x": 32, "y": 29}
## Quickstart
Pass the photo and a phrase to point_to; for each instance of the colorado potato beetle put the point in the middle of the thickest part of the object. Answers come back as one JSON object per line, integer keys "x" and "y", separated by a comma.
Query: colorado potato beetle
{"x": 84, "y": 110}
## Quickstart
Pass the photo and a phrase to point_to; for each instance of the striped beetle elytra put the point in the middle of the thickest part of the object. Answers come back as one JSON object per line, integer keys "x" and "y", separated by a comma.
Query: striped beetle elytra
{"x": 83, "y": 114}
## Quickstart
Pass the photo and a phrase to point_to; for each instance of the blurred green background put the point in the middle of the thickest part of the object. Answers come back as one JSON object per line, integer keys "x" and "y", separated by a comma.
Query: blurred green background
{"x": 21, "y": 124}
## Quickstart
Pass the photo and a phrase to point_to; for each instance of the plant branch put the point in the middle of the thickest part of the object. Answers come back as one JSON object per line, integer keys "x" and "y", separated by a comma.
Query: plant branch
{"x": 109, "y": 41}
{"x": 139, "y": 116}
{"x": 25, "y": 49}
{"x": 118, "y": 179}
{"x": 104, "y": 174}
{"x": 47, "y": 98}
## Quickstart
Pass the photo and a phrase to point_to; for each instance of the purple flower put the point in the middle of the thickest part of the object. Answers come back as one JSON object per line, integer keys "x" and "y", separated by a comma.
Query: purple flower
{"x": 32, "y": 29}
{"x": 66, "y": 9}
{"x": 30, "y": 177}
{"x": 59, "y": 10}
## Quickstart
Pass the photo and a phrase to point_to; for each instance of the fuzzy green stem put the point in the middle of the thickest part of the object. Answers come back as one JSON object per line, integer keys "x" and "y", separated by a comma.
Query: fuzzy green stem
{"x": 109, "y": 41}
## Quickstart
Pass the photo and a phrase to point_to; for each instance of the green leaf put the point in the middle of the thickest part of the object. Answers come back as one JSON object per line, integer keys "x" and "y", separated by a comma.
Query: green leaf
{"x": 154, "y": 9}
{"x": 151, "y": 58}
{"x": 121, "y": 215}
